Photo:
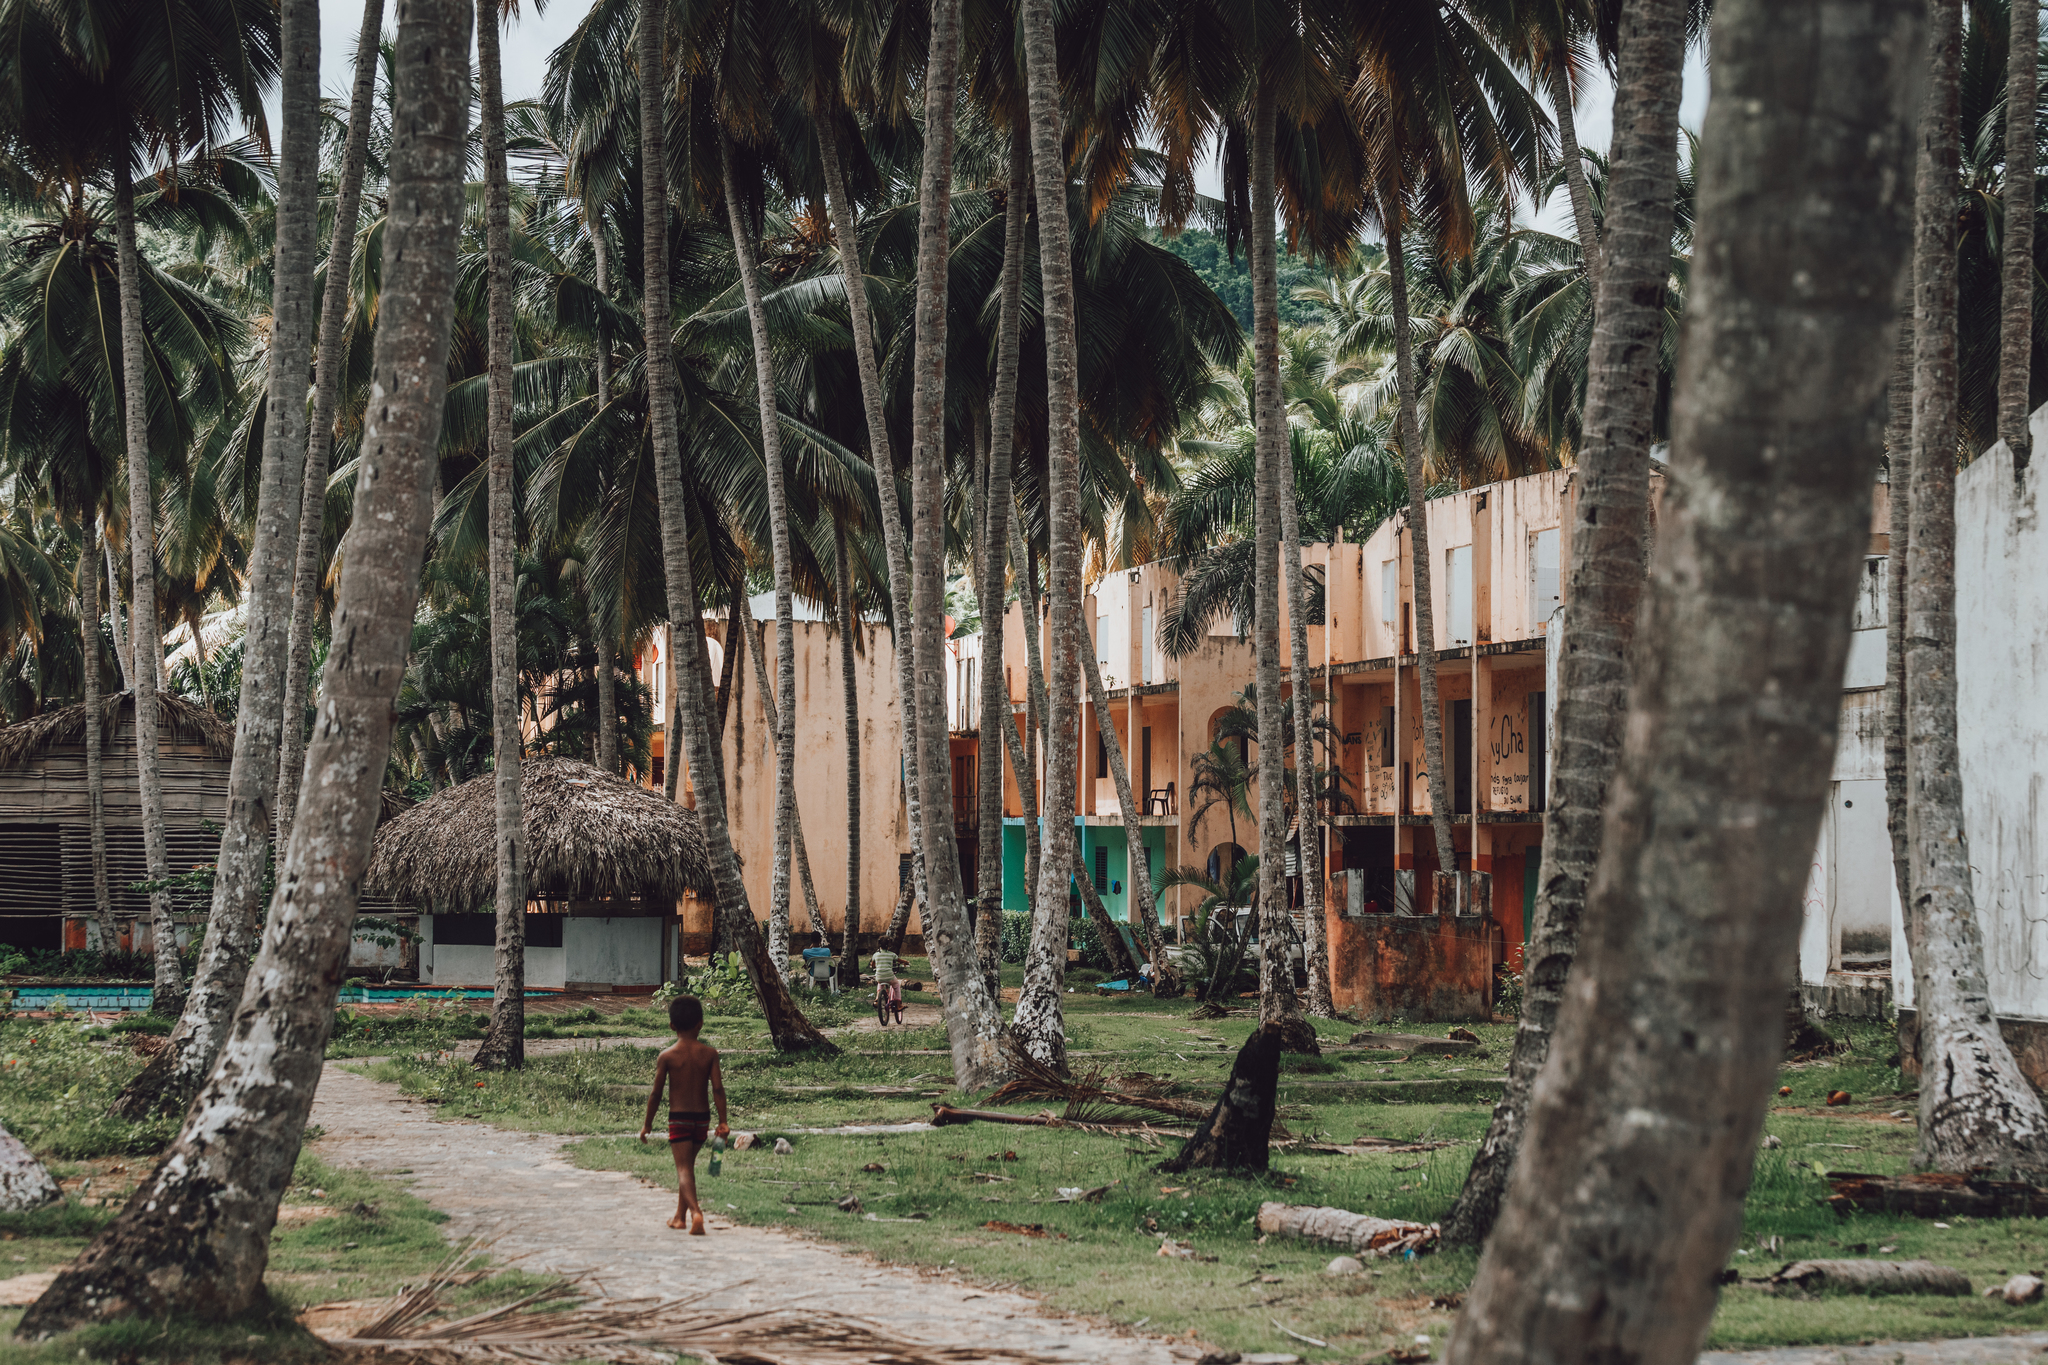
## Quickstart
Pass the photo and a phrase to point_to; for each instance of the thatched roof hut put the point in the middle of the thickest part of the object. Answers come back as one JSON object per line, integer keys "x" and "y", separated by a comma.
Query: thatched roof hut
{"x": 589, "y": 836}
{"x": 178, "y": 722}
{"x": 46, "y": 814}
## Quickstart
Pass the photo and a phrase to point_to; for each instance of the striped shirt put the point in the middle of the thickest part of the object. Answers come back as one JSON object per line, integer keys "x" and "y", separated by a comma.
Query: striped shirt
{"x": 885, "y": 966}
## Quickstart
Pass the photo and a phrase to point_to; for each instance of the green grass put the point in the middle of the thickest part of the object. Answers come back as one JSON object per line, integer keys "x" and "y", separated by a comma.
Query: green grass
{"x": 1107, "y": 1265}
{"x": 370, "y": 1237}
{"x": 57, "y": 1077}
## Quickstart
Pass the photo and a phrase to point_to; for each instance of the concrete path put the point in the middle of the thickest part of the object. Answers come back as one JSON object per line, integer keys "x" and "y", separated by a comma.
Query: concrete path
{"x": 518, "y": 1188}
{"x": 2020, "y": 1350}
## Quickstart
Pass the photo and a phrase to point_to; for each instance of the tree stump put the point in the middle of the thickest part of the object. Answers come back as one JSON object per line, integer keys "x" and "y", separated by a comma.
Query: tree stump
{"x": 1238, "y": 1129}
{"x": 24, "y": 1183}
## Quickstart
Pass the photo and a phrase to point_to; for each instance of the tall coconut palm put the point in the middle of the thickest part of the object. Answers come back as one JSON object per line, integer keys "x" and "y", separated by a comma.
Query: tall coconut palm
{"x": 993, "y": 552}
{"x": 172, "y": 80}
{"x": 1976, "y": 1108}
{"x": 348, "y": 198}
{"x": 746, "y": 238}
{"x": 211, "y": 1203}
{"x": 1037, "y": 1022}
{"x": 787, "y": 1027}
{"x": 1646, "y": 1127}
{"x": 849, "y": 719}
{"x": 846, "y": 237}
{"x": 971, "y": 1017}
{"x": 235, "y": 916}
{"x": 2022, "y": 138}
{"x": 504, "y": 1044}
{"x": 1608, "y": 526}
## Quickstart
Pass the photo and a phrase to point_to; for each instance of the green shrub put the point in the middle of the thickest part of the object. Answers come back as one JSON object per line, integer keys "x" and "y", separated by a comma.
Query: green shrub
{"x": 1016, "y": 935}
{"x": 1094, "y": 952}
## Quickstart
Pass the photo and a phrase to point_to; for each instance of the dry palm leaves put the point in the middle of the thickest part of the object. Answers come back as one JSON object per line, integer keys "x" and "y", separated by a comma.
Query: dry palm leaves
{"x": 559, "y": 1322}
{"x": 1093, "y": 1099}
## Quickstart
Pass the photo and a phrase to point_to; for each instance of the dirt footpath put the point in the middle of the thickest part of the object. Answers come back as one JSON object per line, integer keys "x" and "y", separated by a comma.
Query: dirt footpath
{"x": 519, "y": 1188}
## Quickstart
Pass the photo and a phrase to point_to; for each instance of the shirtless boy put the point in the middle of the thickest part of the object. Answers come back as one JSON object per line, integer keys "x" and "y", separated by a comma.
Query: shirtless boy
{"x": 686, "y": 1069}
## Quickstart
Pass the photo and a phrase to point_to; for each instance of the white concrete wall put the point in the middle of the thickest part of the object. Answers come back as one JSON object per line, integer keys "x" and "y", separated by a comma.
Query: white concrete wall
{"x": 462, "y": 964}
{"x": 612, "y": 952}
{"x": 2002, "y": 683}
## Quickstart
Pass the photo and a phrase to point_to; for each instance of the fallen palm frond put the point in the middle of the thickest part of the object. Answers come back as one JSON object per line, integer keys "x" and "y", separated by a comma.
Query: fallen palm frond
{"x": 945, "y": 1115}
{"x": 560, "y": 1322}
{"x": 1211, "y": 1009}
{"x": 1090, "y": 1099}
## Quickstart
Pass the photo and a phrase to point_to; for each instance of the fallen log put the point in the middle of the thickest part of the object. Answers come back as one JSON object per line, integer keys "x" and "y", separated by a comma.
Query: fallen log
{"x": 1360, "y": 1232}
{"x": 1874, "y": 1277}
{"x": 1934, "y": 1194}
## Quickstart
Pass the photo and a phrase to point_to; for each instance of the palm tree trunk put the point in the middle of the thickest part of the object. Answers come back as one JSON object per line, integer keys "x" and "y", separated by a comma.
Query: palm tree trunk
{"x": 1562, "y": 99}
{"x": 1120, "y": 959}
{"x": 972, "y": 1022}
{"x": 348, "y": 203}
{"x": 795, "y": 842}
{"x": 1641, "y": 1139}
{"x": 1140, "y": 872}
{"x": 504, "y": 1045}
{"x": 195, "y": 1238}
{"x": 1026, "y": 557}
{"x": 2016, "y": 313}
{"x": 1898, "y": 448}
{"x": 124, "y": 642}
{"x": 95, "y": 767}
{"x": 607, "y": 694}
{"x": 778, "y": 532}
{"x": 990, "y": 579}
{"x": 1279, "y": 1007}
{"x": 988, "y": 928}
{"x": 1606, "y": 586}
{"x": 787, "y": 1027}
{"x": 235, "y": 919}
{"x": 168, "y": 998}
{"x": 849, "y": 691}
{"x": 1419, "y": 552}
{"x": 1038, "y": 1024}
{"x": 1976, "y": 1109}
{"x": 1308, "y": 811}
{"x": 894, "y": 540}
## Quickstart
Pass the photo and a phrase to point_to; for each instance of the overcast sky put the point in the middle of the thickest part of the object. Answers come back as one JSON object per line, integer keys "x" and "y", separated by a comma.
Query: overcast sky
{"x": 530, "y": 39}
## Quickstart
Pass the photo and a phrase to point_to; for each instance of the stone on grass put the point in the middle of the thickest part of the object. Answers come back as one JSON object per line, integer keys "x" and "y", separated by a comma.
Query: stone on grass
{"x": 1344, "y": 1265}
{"x": 782, "y": 1147}
{"x": 2023, "y": 1289}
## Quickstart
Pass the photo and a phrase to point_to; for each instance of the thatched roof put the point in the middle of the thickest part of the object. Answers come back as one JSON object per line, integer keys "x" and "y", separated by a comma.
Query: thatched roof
{"x": 181, "y": 722}
{"x": 589, "y": 835}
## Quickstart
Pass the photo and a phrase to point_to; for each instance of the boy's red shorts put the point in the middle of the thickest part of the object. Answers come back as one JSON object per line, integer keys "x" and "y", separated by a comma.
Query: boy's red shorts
{"x": 689, "y": 1127}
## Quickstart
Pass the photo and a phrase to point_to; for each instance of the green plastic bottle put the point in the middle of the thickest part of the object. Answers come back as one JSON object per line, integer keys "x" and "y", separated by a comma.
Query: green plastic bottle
{"x": 717, "y": 1147}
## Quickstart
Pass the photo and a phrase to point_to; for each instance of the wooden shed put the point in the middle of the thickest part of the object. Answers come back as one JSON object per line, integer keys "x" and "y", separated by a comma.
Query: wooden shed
{"x": 45, "y": 815}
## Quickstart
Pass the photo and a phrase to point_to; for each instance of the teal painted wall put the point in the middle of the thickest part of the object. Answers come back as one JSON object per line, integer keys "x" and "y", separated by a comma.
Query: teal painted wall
{"x": 1016, "y": 896}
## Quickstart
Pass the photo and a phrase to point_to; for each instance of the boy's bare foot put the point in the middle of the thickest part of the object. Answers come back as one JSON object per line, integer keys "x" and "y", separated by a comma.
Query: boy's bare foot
{"x": 697, "y": 1226}
{"x": 676, "y": 1222}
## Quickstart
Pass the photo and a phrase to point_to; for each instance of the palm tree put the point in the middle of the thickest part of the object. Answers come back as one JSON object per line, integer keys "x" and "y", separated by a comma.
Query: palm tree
{"x": 849, "y": 691}
{"x": 61, "y": 415}
{"x": 2022, "y": 140}
{"x": 1036, "y": 1022}
{"x": 1609, "y": 523}
{"x": 348, "y": 198}
{"x": 217, "y": 1187}
{"x": 1636, "y": 1152}
{"x": 1979, "y": 1111}
{"x": 993, "y": 549}
{"x": 788, "y": 1029}
{"x": 235, "y": 916}
{"x": 971, "y": 1017}
{"x": 504, "y": 1045}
